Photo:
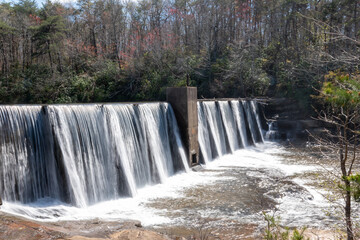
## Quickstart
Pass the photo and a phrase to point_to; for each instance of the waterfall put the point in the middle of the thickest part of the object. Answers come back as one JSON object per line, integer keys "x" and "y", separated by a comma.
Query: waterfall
{"x": 273, "y": 132}
{"x": 228, "y": 120}
{"x": 215, "y": 129}
{"x": 225, "y": 126}
{"x": 254, "y": 127}
{"x": 27, "y": 171}
{"x": 239, "y": 115}
{"x": 203, "y": 134}
{"x": 84, "y": 154}
{"x": 255, "y": 109}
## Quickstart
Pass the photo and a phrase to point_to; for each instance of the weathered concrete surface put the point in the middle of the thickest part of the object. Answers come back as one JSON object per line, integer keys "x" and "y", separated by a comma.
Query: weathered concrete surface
{"x": 184, "y": 102}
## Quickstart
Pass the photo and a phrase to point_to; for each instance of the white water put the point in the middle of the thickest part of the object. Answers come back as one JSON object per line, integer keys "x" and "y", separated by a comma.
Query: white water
{"x": 215, "y": 129}
{"x": 254, "y": 127}
{"x": 272, "y": 133}
{"x": 239, "y": 115}
{"x": 260, "y": 158}
{"x": 223, "y": 123}
{"x": 228, "y": 120}
{"x": 256, "y": 114}
{"x": 17, "y": 156}
{"x": 104, "y": 160}
{"x": 203, "y": 134}
{"x": 85, "y": 154}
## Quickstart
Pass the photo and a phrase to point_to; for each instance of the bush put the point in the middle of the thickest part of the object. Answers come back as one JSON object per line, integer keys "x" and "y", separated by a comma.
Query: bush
{"x": 274, "y": 231}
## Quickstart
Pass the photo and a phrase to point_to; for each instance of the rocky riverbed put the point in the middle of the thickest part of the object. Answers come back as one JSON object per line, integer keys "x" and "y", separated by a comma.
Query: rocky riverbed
{"x": 224, "y": 200}
{"x": 14, "y": 227}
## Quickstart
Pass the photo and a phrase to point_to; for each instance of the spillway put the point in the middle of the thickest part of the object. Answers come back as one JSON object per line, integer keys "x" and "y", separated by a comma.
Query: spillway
{"x": 89, "y": 153}
{"x": 227, "y": 126}
{"x": 84, "y": 154}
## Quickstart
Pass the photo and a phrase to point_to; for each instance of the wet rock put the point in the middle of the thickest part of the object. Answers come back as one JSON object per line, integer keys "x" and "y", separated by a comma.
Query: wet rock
{"x": 290, "y": 119}
{"x": 310, "y": 197}
{"x": 197, "y": 168}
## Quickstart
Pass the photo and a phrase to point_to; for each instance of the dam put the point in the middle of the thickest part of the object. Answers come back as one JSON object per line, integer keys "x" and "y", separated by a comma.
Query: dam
{"x": 83, "y": 154}
{"x": 175, "y": 166}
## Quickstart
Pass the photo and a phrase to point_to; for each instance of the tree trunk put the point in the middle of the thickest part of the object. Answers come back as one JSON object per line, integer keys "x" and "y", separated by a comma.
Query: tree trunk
{"x": 349, "y": 231}
{"x": 344, "y": 150}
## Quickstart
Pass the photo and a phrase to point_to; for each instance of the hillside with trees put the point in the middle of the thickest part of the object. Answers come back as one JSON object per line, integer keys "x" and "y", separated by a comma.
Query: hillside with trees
{"x": 111, "y": 50}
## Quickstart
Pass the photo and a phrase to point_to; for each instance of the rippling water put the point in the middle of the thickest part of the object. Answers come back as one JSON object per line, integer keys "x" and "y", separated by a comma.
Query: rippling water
{"x": 231, "y": 191}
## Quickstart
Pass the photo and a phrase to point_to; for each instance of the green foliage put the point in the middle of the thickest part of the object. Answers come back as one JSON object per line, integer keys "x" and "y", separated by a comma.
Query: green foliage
{"x": 341, "y": 94}
{"x": 242, "y": 72}
{"x": 48, "y": 34}
{"x": 354, "y": 179}
{"x": 6, "y": 29}
{"x": 134, "y": 51}
{"x": 341, "y": 89}
{"x": 25, "y": 7}
{"x": 37, "y": 87}
{"x": 274, "y": 231}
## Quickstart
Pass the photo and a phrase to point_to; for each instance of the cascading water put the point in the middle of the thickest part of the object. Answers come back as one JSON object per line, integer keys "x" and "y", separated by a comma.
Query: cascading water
{"x": 27, "y": 171}
{"x": 84, "y": 154}
{"x": 229, "y": 125}
{"x": 254, "y": 127}
{"x": 215, "y": 129}
{"x": 255, "y": 108}
{"x": 273, "y": 132}
{"x": 239, "y": 115}
{"x": 225, "y": 123}
{"x": 100, "y": 158}
{"x": 66, "y": 161}
{"x": 203, "y": 134}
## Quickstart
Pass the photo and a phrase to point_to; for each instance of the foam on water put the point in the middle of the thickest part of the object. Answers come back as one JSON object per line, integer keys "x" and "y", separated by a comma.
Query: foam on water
{"x": 48, "y": 209}
{"x": 86, "y": 154}
{"x": 262, "y": 157}
{"x": 105, "y": 159}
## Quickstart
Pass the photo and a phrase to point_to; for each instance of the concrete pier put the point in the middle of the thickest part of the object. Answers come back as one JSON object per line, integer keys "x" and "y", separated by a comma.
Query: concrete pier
{"x": 184, "y": 102}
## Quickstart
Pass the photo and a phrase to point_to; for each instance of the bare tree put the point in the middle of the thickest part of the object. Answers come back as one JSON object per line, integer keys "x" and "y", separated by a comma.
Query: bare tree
{"x": 340, "y": 142}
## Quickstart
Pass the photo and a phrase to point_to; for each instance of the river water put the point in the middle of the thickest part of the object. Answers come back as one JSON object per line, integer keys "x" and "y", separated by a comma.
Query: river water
{"x": 227, "y": 197}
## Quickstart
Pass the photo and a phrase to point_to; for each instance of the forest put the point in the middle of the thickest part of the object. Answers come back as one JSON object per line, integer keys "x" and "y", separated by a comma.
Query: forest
{"x": 113, "y": 50}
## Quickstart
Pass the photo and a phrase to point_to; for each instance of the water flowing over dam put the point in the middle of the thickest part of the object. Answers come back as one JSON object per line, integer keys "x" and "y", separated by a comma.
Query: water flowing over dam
{"x": 83, "y": 154}
{"x": 86, "y": 154}
{"x": 227, "y": 126}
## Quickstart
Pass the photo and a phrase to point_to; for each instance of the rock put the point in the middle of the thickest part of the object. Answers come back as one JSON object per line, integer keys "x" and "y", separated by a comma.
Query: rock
{"x": 83, "y": 238}
{"x": 129, "y": 234}
{"x": 138, "y": 235}
{"x": 138, "y": 225}
{"x": 291, "y": 119}
{"x": 197, "y": 168}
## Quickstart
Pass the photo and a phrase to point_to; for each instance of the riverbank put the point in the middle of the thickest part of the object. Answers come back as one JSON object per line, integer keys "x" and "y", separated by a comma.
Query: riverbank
{"x": 15, "y": 227}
